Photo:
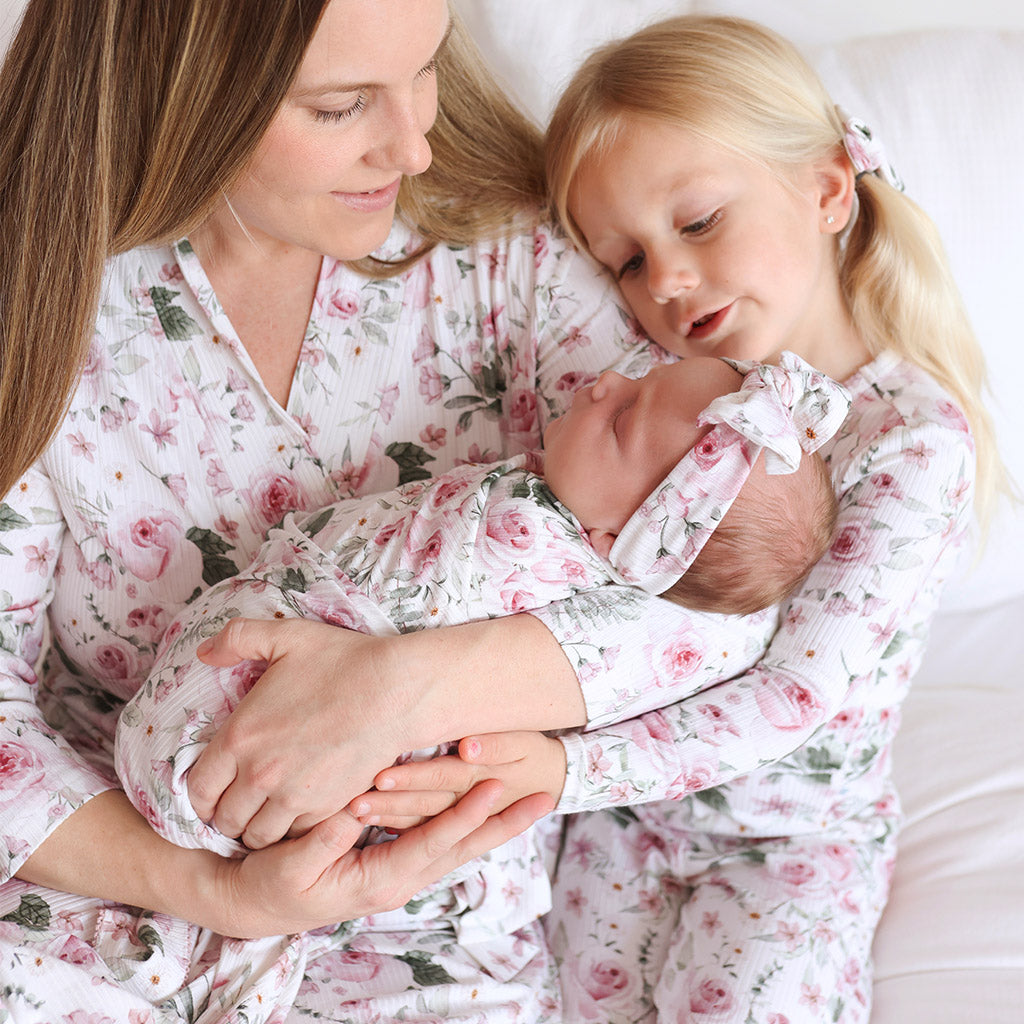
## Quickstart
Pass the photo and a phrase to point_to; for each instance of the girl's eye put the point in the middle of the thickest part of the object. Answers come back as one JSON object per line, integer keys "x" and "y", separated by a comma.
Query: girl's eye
{"x": 429, "y": 69}
{"x": 631, "y": 266}
{"x": 329, "y": 116}
{"x": 702, "y": 226}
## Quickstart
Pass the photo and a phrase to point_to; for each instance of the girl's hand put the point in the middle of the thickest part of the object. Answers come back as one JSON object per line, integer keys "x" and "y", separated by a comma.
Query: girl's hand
{"x": 316, "y": 880}
{"x": 408, "y": 794}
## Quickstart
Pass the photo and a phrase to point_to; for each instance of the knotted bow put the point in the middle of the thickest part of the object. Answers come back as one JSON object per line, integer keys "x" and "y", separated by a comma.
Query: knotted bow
{"x": 783, "y": 410}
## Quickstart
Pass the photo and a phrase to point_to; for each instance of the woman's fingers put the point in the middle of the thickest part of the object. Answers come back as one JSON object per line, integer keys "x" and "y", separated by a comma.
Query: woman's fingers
{"x": 208, "y": 778}
{"x": 239, "y": 640}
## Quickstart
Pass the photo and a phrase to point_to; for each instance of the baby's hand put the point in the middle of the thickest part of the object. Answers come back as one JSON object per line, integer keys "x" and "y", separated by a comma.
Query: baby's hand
{"x": 408, "y": 794}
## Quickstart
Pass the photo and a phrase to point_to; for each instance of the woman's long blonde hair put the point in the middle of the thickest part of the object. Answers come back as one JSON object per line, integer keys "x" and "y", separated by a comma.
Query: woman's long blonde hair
{"x": 741, "y": 85}
{"x": 125, "y": 121}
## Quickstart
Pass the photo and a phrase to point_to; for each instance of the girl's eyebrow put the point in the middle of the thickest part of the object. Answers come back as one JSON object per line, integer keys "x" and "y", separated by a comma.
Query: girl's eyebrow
{"x": 315, "y": 92}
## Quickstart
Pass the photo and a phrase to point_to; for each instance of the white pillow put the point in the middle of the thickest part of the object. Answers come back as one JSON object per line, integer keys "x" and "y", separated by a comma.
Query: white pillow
{"x": 947, "y": 105}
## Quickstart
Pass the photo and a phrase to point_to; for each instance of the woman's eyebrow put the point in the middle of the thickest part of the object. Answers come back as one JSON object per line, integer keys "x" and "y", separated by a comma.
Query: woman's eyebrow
{"x": 343, "y": 87}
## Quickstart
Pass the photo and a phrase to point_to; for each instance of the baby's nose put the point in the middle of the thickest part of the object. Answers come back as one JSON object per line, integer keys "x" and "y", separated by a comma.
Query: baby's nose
{"x": 606, "y": 384}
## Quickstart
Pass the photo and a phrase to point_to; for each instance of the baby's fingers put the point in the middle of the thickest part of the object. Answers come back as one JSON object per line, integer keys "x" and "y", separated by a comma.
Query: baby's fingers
{"x": 401, "y": 809}
{"x": 443, "y": 774}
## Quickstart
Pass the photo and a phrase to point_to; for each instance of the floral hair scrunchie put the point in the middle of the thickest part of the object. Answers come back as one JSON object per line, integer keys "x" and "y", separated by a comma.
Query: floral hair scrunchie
{"x": 866, "y": 152}
{"x": 782, "y": 410}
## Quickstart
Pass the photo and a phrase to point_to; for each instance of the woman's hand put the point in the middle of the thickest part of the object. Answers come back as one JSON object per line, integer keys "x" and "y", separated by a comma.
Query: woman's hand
{"x": 324, "y": 717}
{"x": 316, "y": 880}
{"x": 334, "y": 707}
{"x": 524, "y": 762}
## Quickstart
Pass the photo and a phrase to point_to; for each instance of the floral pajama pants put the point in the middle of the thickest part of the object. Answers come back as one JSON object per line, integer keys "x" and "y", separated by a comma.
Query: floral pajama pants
{"x": 654, "y": 923}
{"x": 69, "y": 960}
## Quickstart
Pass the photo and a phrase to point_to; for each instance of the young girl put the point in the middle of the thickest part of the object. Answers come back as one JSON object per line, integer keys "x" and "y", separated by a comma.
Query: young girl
{"x": 740, "y": 212}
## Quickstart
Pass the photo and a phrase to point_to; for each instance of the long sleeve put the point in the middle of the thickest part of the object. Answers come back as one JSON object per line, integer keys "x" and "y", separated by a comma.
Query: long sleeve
{"x": 851, "y": 638}
{"x": 42, "y": 779}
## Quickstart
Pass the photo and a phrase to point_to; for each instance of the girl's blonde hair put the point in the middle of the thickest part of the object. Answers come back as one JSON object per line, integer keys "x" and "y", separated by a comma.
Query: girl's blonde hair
{"x": 126, "y": 121}
{"x": 742, "y": 86}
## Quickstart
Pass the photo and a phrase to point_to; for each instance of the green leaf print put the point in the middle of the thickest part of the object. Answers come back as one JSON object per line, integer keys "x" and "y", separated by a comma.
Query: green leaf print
{"x": 176, "y": 323}
{"x": 714, "y": 798}
{"x": 314, "y": 526}
{"x": 424, "y": 971}
{"x": 11, "y": 520}
{"x": 295, "y": 581}
{"x": 216, "y": 566}
{"x": 410, "y": 459}
{"x": 150, "y": 937}
{"x": 33, "y": 913}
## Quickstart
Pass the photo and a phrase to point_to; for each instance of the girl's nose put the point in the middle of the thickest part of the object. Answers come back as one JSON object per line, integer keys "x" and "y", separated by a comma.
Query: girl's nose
{"x": 670, "y": 276}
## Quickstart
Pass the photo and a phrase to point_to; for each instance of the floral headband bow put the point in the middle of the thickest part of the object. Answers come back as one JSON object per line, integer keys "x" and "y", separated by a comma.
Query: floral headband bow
{"x": 782, "y": 410}
{"x": 866, "y": 152}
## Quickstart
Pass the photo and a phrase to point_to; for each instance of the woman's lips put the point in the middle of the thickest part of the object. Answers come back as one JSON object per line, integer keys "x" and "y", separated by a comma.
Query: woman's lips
{"x": 706, "y": 325}
{"x": 372, "y": 201}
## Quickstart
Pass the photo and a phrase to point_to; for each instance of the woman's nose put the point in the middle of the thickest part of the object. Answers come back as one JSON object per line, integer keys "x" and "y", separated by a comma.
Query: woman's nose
{"x": 405, "y": 147}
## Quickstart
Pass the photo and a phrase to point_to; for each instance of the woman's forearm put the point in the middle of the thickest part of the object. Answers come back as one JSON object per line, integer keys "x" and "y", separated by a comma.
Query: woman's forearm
{"x": 501, "y": 674}
{"x": 107, "y": 850}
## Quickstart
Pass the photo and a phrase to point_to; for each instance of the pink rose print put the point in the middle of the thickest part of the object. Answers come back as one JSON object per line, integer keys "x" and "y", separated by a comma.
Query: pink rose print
{"x": 953, "y": 415}
{"x": 20, "y": 771}
{"x": 708, "y": 451}
{"x": 677, "y": 659}
{"x": 856, "y": 543}
{"x": 573, "y": 380}
{"x": 145, "y": 808}
{"x": 574, "y": 339}
{"x": 149, "y": 542}
{"x": 797, "y": 874}
{"x": 274, "y": 494}
{"x": 540, "y": 248}
{"x": 331, "y": 604}
{"x": 522, "y": 411}
{"x": 786, "y": 704}
{"x": 116, "y": 662}
{"x": 711, "y": 996}
{"x": 507, "y": 528}
{"x": 342, "y": 304}
{"x": 602, "y": 985}
{"x": 701, "y": 775}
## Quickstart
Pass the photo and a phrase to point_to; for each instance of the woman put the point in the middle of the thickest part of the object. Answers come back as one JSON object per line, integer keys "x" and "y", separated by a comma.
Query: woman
{"x": 185, "y": 358}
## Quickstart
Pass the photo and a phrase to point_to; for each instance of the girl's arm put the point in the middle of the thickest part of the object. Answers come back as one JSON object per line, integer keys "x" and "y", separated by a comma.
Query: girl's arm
{"x": 860, "y": 621}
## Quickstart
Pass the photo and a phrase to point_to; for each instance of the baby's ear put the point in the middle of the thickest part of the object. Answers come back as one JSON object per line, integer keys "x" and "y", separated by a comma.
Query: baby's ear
{"x": 601, "y": 541}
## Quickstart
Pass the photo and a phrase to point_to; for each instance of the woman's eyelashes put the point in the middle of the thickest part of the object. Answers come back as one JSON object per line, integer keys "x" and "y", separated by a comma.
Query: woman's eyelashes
{"x": 329, "y": 116}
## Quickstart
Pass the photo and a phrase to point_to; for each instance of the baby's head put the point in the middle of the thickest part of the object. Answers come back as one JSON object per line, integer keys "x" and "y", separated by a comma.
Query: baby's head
{"x": 621, "y": 439}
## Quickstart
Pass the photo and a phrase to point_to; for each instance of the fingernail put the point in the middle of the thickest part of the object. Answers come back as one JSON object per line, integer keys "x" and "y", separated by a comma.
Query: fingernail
{"x": 374, "y": 819}
{"x": 473, "y": 749}
{"x": 361, "y": 808}
{"x": 386, "y": 783}
{"x": 205, "y": 647}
